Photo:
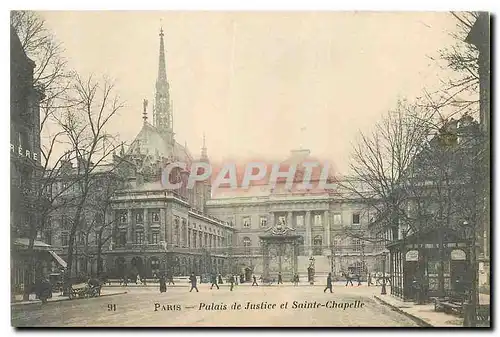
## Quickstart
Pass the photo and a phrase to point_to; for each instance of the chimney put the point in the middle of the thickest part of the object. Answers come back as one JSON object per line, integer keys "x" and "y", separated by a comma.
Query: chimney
{"x": 132, "y": 182}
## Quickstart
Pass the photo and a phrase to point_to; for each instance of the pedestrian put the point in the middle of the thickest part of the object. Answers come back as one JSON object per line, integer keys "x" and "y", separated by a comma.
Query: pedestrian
{"x": 329, "y": 283}
{"x": 280, "y": 278}
{"x": 171, "y": 280}
{"x": 348, "y": 279}
{"x": 370, "y": 279}
{"x": 214, "y": 281}
{"x": 163, "y": 284}
{"x": 193, "y": 281}
{"x": 296, "y": 279}
{"x": 138, "y": 279}
{"x": 359, "y": 279}
{"x": 254, "y": 281}
{"x": 220, "y": 279}
{"x": 231, "y": 280}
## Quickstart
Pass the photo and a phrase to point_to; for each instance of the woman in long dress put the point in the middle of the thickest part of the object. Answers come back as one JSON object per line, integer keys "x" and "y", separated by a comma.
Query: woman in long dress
{"x": 163, "y": 284}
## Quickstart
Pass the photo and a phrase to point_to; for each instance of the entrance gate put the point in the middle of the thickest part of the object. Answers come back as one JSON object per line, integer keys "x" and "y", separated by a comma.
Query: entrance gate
{"x": 280, "y": 252}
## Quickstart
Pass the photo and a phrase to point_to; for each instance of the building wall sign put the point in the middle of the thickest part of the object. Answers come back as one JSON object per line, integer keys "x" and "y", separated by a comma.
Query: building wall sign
{"x": 458, "y": 255}
{"x": 412, "y": 255}
{"x": 23, "y": 152}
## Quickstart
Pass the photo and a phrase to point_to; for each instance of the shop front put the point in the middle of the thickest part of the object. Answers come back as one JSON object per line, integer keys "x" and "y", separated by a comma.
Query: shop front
{"x": 429, "y": 265}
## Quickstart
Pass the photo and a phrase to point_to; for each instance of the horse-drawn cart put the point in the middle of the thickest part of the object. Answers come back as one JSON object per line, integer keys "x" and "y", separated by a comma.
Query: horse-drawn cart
{"x": 83, "y": 290}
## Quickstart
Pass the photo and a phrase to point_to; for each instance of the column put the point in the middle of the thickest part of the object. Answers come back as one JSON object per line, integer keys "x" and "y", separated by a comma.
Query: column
{"x": 163, "y": 236}
{"x": 130, "y": 233}
{"x": 308, "y": 241}
{"x": 145, "y": 223}
{"x": 326, "y": 226}
{"x": 289, "y": 220}
{"x": 271, "y": 219}
{"x": 186, "y": 234}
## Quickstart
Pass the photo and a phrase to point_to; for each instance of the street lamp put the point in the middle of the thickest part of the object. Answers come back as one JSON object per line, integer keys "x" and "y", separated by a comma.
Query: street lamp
{"x": 383, "y": 291}
{"x": 470, "y": 307}
{"x": 311, "y": 270}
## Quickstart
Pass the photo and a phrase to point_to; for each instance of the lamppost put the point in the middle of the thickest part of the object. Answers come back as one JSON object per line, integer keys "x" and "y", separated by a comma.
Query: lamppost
{"x": 383, "y": 291}
{"x": 471, "y": 305}
{"x": 311, "y": 270}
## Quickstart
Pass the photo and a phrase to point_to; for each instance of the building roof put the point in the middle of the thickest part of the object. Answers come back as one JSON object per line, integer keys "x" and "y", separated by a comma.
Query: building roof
{"x": 262, "y": 187}
{"x": 150, "y": 141}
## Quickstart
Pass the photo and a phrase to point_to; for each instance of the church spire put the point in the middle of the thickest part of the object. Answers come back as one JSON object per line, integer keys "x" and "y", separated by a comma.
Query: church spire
{"x": 162, "y": 69}
{"x": 163, "y": 111}
{"x": 204, "y": 155}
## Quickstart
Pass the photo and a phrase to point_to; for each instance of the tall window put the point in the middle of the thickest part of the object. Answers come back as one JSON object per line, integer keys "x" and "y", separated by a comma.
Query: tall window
{"x": 123, "y": 217}
{"x": 282, "y": 220}
{"x": 64, "y": 239}
{"x": 155, "y": 217}
{"x": 122, "y": 239}
{"x": 176, "y": 232}
{"x": 318, "y": 243}
{"x": 300, "y": 221}
{"x": 139, "y": 217}
{"x": 357, "y": 244}
{"x": 355, "y": 219}
{"x": 139, "y": 237}
{"x": 246, "y": 222}
{"x": 317, "y": 220}
{"x": 48, "y": 236}
{"x": 155, "y": 238}
{"x": 263, "y": 221}
{"x": 337, "y": 219}
{"x": 155, "y": 266}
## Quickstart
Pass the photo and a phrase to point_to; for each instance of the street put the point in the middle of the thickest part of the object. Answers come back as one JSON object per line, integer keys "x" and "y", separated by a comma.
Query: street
{"x": 146, "y": 307}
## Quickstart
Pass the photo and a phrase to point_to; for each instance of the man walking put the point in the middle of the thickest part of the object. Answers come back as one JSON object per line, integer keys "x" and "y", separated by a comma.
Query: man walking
{"x": 329, "y": 283}
{"x": 370, "y": 279}
{"x": 214, "y": 281}
{"x": 280, "y": 278}
{"x": 193, "y": 281}
{"x": 348, "y": 279}
{"x": 296, "y": 280}
{"x": 171, "y": 280}
{"x": 254, "y": 281}
{"x": 231, "y": 280}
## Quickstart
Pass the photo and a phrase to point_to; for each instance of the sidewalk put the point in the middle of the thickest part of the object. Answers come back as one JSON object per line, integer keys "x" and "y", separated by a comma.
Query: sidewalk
{"x": 321, "y": 283}
{"x": 57, "y": 297}
{"x": 425, "y": 314}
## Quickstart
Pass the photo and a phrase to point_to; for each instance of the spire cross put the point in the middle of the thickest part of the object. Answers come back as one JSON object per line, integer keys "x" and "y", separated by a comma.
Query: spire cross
{"x": 144, "y": 113}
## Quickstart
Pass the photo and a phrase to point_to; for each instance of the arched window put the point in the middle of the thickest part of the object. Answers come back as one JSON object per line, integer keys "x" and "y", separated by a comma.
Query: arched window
{"x": 247, "y": 242}
{"x": 317, "y": 242}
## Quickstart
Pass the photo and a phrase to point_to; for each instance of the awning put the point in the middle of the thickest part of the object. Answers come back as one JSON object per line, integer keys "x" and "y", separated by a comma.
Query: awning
{"x": 37, "y": 245}
{"x": 58, "y": 259}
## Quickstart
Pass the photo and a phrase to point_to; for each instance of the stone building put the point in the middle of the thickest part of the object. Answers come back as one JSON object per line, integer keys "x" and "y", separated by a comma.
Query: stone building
{"x": 157, "y": 230}
{"x": 330, "y": 224}
{"x": 25, "y": 165}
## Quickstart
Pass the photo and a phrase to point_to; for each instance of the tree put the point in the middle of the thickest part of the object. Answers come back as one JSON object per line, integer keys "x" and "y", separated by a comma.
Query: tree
{"x": 52, "y": 76}
{"x": 459, "y": 94}
{"x": 84, "y": 124}
{"x": 99, "y": 207}
{"x": 380, "y": 161}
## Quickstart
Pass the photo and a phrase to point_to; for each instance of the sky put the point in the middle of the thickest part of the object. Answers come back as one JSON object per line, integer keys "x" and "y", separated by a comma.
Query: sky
{"x": 260, "y": 84}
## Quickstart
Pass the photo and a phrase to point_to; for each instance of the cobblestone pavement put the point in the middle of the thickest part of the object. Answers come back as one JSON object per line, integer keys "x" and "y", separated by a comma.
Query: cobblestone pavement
{"x": 177, "y": 307}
